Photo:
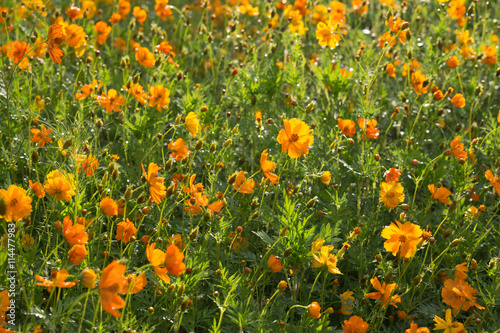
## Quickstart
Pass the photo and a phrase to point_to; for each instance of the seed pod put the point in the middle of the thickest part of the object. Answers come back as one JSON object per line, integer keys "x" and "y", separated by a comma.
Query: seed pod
{"x": 199, "y": 144}
{"x": 34, "y": 159}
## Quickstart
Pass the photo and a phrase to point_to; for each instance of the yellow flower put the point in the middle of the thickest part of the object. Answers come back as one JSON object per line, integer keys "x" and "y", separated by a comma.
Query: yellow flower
{"x": 391, "y": 194}
{"x": 295, "y": 138}
{"x": 327, "y": 35}
{"x": 192, "y": 123}
{"x": 447, "y": 325}
{"x": 18, "y": 204}
{"x": 326, "y": 177}
{"x": 405, "y": 235}
{"x": 60, "y": 185}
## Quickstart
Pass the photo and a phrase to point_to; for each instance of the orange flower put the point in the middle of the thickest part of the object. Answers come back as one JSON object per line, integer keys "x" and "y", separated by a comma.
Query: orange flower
{"x": 88, "y": 90}
{"x": 438, "y": 95}
{"x": 145, "y": 57}
{"x": 74, "y": 234}
{"x": 415, "y": 329}
{"x": 74, "y": 35}
{"x": 178, "y": 241}
{"x": 457, "y": 9}
{"x": 457, "y": 148}
{"x": 162, "y": 9}
{"x": 103, "y": 31}
{"x": 140, "y": 14}
{"x": 74, "y": 12}
{"x": 242, "y": 185}
{"x": 348, "y": 127}
{"x": 164, "y": 47}
{"x": 56, "y": 38}
{"x": 157, "y": 259}
{"x": 494, "y": 181}
{"x": 327, "y": 34}
{"x": 405, "y": 235}
{"x": 390, "y": 70}
{"x": 295, "y": 138}
{"x": 391, "y": 193}
{"x": 137, "y": 91}
{"x": 417, "y": 80}
{"x": 197, "y": 198}
{"x": 125, "y": 230}
{"x": 355, "y": 324}
{"x": 440, "y": 194}
{"x": 464, "y": 39}
{"x": 192, "y": 123}
{"x": 326, "y": 177}
{"x": 115, "y": 18}
{"x": 458, "y": 100}
{"x": 17, "y": 52}
{"x": 88, "y": 278}
{"x": 179, "y": 149}
{"x": 159, "y": 96}
{"x": 396, "y": 28}
{"x": 156, "y": 188}
{"x": 359, "y": 6}
{"x": 41, "y": 136}
{"x": 58, "y": 280}
{"x": 124, "y": 8}
{"x": 88, "y": 164}
{"x": 459, "y": 295}
{"x": 237, "y": 241}
{"x": 489, "y": 57}
{"x": 274, "y": 264}
{"x": 60, "y": 184}
{"x": 324, "y": 257}
{"x": 135, "y": 283}
{"x": 18, "y": 204}
{"x": 77, "y": 254}
{"x": 384, "y": 293}
{"x": 452, "y": 62}
{"x": 314, "y": 310}
{"x": 392, "y": 175}
{"x": 109, "y": 207}
{"x": 112, "y": 283}
{"x": 37, "y": 188}
{"x": 111, "y": 101}
{"x": 460, "y": 271}
{"x": 173, "y": 260}
{"x": 267, "y": 167}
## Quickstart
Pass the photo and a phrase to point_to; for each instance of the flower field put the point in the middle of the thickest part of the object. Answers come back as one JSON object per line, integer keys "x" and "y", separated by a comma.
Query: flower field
{"x": 249, "y": 166}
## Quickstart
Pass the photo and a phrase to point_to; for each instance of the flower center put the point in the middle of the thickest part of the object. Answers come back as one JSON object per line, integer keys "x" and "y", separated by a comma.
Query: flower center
{"x": 402, "y": 238}
{"x": 13, "y": 202}
{"x": 294, "y": 137}
{"x": 391, "y": 194}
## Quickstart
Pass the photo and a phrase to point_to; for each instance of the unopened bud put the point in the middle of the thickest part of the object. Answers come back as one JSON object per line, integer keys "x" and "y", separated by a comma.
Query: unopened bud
{"x": 311, "y": 203}
{"x": 455, "y": 242}
{"x": 199, "y": 144}
{"x": 228, "y": 143}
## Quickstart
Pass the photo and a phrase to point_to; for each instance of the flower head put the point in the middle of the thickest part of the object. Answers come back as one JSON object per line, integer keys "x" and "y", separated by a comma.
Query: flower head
{"x": 457, "y": 148}
{"x": 447, "y": 325}
{"x": 314, "y": 310}
{"x": 179, "y": 149}
{"x": 242, "y": 184}
{"x": 156, "y": 188}
{"x": 274, "y": 263}
{"x": 267, "y": 167}
{"x": 391, "y": 193}
{"x": 355, "y": 324}
{"x": 125, "y": 230}
{"x": 192, "y": 123}
{"x": 405, "y": 236}
{"x": 384, "y": 293}
{"x": 17, "y": 202}
{"x": 58, "y": 280}
{"x": 440, "y": 194}
{"x": 295, "y": 138}
{"x": 41, "y": 136}
{"x": 112, "y": 283}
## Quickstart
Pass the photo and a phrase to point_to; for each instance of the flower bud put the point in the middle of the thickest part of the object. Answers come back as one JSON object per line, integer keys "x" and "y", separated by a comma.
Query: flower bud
{"x": 180, "y": 290}
{"x": 128, "y": 193}
{"x": 311, "y": 203}
{"x": 455, "y": 242}
{"x": 309, "y": 107}
{"x": 473, "y": 264}
{"x": 213, "y": 147}
{"x": 199, "y": 144}
{"x": 193, "y": 234}
{"x": 235, "y": 130}
{"x": 228, "y": 143}
{"x": 282, "y": 286}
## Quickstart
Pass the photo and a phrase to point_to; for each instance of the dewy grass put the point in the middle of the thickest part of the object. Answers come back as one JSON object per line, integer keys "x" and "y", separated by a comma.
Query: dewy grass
{"x": 249, "y": 166}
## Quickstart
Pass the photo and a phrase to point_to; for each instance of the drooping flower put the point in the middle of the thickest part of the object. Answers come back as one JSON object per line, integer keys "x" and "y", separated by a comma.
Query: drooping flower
{"x": 56, "y": 38}
{"x": 77, "y": 254}
{"x": 41, "y": 136}
{"x": 405, "y": 236}
{"x": 447, "y": 325}
{"x": 355, "y": 324}
{"x": 37, "y": 188}
{"x": 58, "y": 280}
{"x": 457, "y": 148}
{"x": 391, "y": 193}
{"x": 88, "y": 278}
{"x": 145, "y": 57}
{"x": 458, "y": 100}
{"x": 274, "y": 264}
{"x": 17, "y": 203}
{"x": 140, "y": 14}
{"x": 440, "y": 194}
{"x": 109, "y": 207}
{"x": 384, "y": 293}
{"x": 125, "y": 230}
{"x": 459, "y": 295}
{"x": 173, "y": 260}
{"x": 326, "y": 177}
{"x": 157, "y": 258}
{"x": 267, "y": 167}
{"x": 314, "y": 310}
{"x": 156, "y": 188}
{"x": 242, "y": 184}
{"x": 111, "y": 101}
{"x": 159, "y": 96}
{"x": 179, "y": 149}
{"x": 112, "y": 283}
{"x": 295, "y": 138}
{"x": 197, "y": 197}
{"x": 192, "y": 123}
{"x": 494, "y": 181}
